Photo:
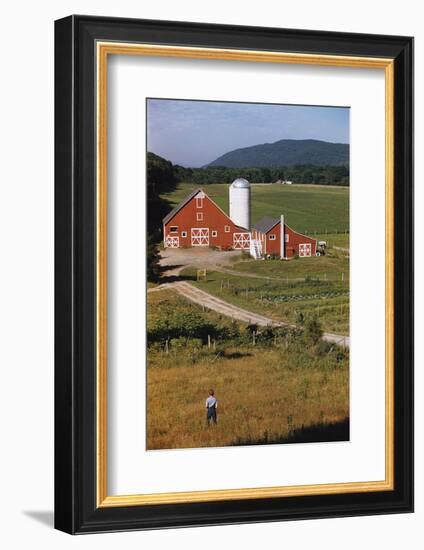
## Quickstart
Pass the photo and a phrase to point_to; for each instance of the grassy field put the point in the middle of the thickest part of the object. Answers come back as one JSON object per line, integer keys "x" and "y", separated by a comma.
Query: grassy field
{"x": 288, "y": 389}
{"x": 324, "y": 267}
{"x": 334, "y": 239}
{"x": 307, "y": 208}
{"x": 286, "y": 291}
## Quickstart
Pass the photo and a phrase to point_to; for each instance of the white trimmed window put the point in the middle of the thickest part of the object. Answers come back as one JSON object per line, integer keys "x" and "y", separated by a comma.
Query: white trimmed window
{"x": 199, "y": 202}
{"x": 272, "y": 237}
{"x": 173, "y": 229}
{"x": 227, "y": 229}
{"x": 214, "y": 233}
{"x": 199, "y": 216}
{"x": 287, "y": 237}
{"x": 183, "y": 234}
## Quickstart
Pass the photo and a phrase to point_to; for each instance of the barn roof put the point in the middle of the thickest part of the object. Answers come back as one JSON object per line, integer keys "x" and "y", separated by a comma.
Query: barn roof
{"x": 181, "y": 205}
{"x": 266, "y": 224}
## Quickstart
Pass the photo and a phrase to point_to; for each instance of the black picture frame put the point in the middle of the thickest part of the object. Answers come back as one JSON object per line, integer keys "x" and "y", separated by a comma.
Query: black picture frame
{"x": 76, "y": 510}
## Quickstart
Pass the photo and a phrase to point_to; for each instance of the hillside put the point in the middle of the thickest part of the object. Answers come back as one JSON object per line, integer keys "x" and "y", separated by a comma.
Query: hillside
{"x": 286, "y": 152}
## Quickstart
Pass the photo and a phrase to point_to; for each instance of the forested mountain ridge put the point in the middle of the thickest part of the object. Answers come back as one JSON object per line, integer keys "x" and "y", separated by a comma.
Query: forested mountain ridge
{"x": 286, "y": 152}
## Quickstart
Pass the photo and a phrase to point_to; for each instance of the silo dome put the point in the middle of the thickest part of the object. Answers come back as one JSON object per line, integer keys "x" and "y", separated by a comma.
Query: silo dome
{"x": 240, "y": 202}
{"x": 240, "y": 183}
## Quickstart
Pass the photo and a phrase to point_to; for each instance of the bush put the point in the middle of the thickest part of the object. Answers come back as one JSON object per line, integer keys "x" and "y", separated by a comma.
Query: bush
{"x": 153, "y": 268}
{"x": 266, "y": 334}
{"x": 300, "y": 318}
{"x": 178, "y": 343}
{"x": 342, "y": 354}
{"x": 323, "y": 348}
{"x": 194, "y": 344}
{"x": 231, "y": 332}
{"x": 313, "y": 330}
{"x": 252, "y": 328}
{"x": 178, "y": 324}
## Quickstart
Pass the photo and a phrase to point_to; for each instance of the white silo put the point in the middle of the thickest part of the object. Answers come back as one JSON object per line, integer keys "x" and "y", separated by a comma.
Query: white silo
{"x": 240, "y": 202}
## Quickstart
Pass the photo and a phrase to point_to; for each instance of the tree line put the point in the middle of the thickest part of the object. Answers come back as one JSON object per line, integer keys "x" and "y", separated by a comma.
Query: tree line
{"x": 303, "y": 173}
{"x": 160, "y": 178}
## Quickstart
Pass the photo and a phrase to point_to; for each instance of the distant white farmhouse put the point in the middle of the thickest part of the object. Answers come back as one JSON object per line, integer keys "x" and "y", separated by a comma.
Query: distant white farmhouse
{"x": 284, "y": 182}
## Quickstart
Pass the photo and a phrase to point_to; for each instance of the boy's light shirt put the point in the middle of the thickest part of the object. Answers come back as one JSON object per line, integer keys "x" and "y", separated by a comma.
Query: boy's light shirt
{"x": 211, "y": 401}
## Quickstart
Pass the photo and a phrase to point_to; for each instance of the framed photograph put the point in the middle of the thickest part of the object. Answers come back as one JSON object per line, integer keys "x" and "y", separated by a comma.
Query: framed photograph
{"x": 234, "y": 274}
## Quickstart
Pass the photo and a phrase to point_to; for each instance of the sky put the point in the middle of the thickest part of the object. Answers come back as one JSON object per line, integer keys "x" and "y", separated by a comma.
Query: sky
{"x": 194, "y": 133}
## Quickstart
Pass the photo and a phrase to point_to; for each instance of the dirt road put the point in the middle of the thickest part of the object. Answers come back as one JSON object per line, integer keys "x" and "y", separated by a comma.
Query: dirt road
{"x": 174, "y": 260}
{"x": 205, "y": 299}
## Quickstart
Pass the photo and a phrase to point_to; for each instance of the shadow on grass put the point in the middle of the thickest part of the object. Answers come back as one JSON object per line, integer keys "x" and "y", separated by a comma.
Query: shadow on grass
{"x": 164, "y": 278}
{"x": 316, "y": 433}
{"x": 236, "y": 354}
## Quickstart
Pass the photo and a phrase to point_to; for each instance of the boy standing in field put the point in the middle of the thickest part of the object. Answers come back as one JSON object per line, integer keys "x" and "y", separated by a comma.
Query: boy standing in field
{"x": 211, "y": 406}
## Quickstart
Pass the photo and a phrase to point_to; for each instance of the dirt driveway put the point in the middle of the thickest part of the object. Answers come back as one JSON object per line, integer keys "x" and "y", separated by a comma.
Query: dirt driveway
{"x": 174, "y": 260}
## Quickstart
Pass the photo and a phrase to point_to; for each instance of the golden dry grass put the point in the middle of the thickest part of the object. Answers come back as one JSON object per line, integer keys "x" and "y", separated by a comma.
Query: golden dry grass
{"x": 262, "y": 393}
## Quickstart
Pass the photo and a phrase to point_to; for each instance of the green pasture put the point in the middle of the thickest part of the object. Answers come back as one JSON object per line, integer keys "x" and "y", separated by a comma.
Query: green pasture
{"x": 334, "y": 268}
{"x": 340, "y": 240}
{"x": 311, "y": 209}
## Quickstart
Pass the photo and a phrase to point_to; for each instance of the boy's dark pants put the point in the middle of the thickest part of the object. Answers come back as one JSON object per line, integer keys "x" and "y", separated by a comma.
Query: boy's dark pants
{"x": 211, "y": 415}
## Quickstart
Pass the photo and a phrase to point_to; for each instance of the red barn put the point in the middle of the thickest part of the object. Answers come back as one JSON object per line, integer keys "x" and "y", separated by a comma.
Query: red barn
{"x": 198, "y": 221}
{"x": 284, "y": 244}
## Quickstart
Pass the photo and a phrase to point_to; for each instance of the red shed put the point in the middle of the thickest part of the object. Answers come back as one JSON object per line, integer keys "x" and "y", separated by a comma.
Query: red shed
{"x": 199, "y": 221}
{"x": 284, "y": 243}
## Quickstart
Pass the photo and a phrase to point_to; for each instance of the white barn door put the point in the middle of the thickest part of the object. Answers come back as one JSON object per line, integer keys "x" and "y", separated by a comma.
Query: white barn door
{"x": 241, "y": 241}
{"x": 200, "y": 236}
{"x": 172, "y": 242}
{"x": 305, "y": 250}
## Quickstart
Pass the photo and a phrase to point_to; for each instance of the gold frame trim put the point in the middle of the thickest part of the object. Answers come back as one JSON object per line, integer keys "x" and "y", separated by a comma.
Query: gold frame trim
{"x": 104, "y": 49}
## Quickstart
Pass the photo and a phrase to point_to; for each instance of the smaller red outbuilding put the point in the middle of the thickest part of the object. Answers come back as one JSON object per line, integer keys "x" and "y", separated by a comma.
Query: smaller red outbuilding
{"x": 284, "y": 243}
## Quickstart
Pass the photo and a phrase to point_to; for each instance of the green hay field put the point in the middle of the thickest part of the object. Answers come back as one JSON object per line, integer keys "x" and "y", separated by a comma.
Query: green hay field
{"x": 308, "y": 209}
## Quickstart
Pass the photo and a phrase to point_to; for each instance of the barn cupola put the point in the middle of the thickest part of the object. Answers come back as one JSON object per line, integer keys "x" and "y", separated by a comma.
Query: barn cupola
{"x": 240, "y": 202}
